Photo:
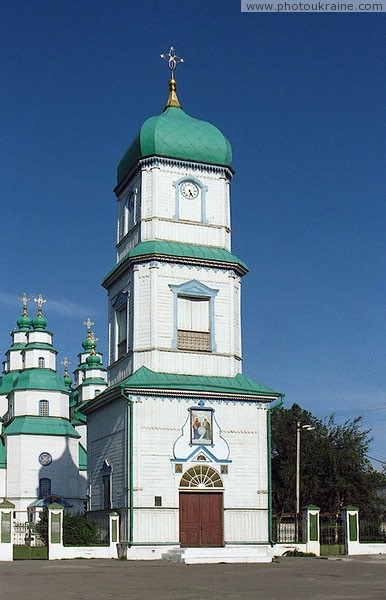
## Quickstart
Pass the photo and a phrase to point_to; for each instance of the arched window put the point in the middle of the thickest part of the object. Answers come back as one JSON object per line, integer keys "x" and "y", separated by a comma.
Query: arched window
{"x": 106, "y": 472}
{"x": 43, "y": 408}
{"x": 44, "y": 487}
{"x": 41, "y": 362}
{"x": 97, "y": 392}
{"x": 201, "y": 477}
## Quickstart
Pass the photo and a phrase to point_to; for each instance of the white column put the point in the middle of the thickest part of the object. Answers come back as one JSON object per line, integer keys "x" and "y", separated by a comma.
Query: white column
{"x": 6, "y": 530}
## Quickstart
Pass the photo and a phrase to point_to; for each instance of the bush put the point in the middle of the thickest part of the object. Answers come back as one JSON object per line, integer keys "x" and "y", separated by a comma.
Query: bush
{"x": 42, "y": 526}
{"x": 79, "y": 531}
{"x": 296, "y": 552}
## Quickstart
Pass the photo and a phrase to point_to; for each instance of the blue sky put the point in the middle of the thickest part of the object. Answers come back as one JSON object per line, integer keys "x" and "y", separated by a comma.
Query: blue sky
{"x": 298, "y": 96}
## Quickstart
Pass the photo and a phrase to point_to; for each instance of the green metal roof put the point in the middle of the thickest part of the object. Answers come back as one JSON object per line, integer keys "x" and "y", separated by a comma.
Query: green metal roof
{"x": 3, "y": 456}
{"x": 78, "y": 418}
{"x": 39, "y": 379}
{"x": 40, "y": 426}
{"x": 6, "y": 382}
{"x": 93, "y": 381}
{"x": 240, "y": 384}
{"x": 180, "y": 250}
{"x": 82, "y": 454}
{"x": 175, "y": 134}
{"x": 39, "y": 346}
{"x": 17, "y": 346}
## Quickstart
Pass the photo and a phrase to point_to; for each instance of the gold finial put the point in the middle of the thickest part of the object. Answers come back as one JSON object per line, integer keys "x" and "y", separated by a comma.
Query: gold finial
{"x": 24, "y": 299}
{"x": 40, "y": 301}
{"x": 172, "y": 59}
{"x": 66, "y": 364}
{"x": 88, "y": 324}
{"x": 93, "y": 341}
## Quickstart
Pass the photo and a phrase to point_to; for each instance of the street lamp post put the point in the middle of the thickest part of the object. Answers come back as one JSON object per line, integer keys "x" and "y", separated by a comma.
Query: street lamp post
{"x": 299, "y": 429}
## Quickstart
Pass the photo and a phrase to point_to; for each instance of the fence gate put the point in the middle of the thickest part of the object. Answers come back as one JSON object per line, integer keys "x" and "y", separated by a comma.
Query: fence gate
{"x": 30, "y": 537}
{"x": 331, "y": 534}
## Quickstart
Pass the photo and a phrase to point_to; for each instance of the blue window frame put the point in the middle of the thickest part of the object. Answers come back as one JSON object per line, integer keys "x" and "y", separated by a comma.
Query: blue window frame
{"x": 204, "y": 340}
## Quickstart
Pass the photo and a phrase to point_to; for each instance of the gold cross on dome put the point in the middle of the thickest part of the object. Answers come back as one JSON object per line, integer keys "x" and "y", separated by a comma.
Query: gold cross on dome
{"x": 88, "y": 324}
{"x": 40, "y": 301}
{"x": 172, "y": 59}
{"x": 24, "y": 299}
{"x": 66, "y": 364}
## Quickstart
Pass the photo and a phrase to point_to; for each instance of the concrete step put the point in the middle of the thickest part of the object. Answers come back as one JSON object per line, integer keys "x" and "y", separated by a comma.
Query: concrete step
{"x": 228, "y": 554}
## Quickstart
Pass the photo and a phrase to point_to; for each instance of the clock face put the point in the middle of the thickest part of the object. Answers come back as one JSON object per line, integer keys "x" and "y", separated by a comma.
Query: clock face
{"x": 45, "y": 459}
{"x": 189, "y": 190}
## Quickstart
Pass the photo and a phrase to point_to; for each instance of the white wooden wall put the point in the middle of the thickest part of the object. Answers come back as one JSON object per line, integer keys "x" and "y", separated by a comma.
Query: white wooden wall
{"x": 151, "y": 319}
{"x": 24, "y": 469}
{"x": 157, "y": 424}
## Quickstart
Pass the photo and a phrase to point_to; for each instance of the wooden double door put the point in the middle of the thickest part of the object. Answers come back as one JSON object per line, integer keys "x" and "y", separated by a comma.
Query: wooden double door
{"x": 201, "y": 519}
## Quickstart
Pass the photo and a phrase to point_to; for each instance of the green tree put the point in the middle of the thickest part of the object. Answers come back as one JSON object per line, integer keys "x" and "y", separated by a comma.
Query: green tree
{"x": 334, "y": 468}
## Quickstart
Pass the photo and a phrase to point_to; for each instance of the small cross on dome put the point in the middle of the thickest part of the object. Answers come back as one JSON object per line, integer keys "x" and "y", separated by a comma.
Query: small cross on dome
{"x": 40, "y": 301}
{"x": 24, "y": 299}
{"x": 88, "y": 324}
{"x": 172, "y": 59}
{"x": 66, "y": 363}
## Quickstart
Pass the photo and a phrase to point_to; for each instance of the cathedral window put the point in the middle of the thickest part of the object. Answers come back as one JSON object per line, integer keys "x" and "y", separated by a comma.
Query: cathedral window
{"x": 121, "y": 326}
{"x": 130, "y": 210}
{"x": 43, "y": 408}
{"x": 106, "y": 472}
{"x": 41, "y": 362}
{"x": 44, "y": 487}
{"x": 121, "y": 332}
{"x": 106, "y": 492}
{"x": 194, "y": 317}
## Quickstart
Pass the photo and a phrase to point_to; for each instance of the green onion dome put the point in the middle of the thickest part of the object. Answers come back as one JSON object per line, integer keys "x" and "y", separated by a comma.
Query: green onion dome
{"x": 24, "y": 323}
{"x": 93, "y": 360}
{"x": 39, "y": 323}
{"x": 67, "y": 380}
{"x": 88, "y": 344}
{"x": 175, "y": 134}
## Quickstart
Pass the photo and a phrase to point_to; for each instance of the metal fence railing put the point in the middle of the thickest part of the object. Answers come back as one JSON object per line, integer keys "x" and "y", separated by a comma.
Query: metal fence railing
{"x": 372, "y": 528}
{"x": 286, "y": 528}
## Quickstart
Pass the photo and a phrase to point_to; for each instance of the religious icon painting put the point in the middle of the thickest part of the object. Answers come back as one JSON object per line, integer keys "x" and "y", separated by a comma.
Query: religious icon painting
{"x": 201, "y": 426}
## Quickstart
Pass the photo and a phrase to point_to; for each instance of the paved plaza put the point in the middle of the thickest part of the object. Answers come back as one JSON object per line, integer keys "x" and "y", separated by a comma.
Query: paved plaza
{"x": 300, "y": 578}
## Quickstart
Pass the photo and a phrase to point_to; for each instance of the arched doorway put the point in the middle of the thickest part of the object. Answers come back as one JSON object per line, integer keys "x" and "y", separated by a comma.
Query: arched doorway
{"x": 201, "y": 508}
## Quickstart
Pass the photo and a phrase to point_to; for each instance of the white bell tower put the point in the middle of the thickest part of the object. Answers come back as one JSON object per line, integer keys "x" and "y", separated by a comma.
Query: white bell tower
{"x": 174, "y": 293}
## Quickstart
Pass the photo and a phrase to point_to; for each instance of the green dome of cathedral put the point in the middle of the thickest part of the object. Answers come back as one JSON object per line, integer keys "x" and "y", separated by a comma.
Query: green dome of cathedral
{"x": 88, "y": 344}
{"x": 24, "y": 323}
{"x": 39, "y": 323}
{"x": 93, "y": 360}
{"x": 175, "y": 134}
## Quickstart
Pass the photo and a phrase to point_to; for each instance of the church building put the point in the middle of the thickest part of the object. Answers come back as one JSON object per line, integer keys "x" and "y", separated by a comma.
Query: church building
{"x": 43, "y": 434}
{"x": 178, "y": 441}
